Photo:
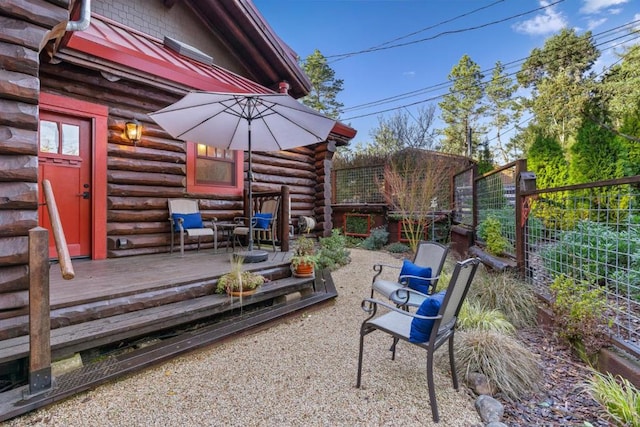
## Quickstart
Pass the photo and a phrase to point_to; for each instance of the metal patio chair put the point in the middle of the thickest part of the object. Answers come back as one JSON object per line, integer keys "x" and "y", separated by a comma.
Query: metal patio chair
{"x": 430, "y": 255}
{"x": 265, "y": 222}
{"x": 185, "y": 218}
{"x": 430, "y": 327}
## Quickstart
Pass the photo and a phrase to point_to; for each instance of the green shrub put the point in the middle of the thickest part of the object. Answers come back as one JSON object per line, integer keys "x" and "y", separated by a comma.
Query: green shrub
{"x": 473, "y": 316}
{"x": 398, "y": 248}
{"x": 596, "y": 253}
{"x": 507, "y": 293}
{"x": 490, "y": 231}
{"x": 377, "y": 239}
{"x": 333, "y": 252}
{"x": 579, "y": 315}
{"x": 618, "y": 396}
{"x": 508, "y": 365}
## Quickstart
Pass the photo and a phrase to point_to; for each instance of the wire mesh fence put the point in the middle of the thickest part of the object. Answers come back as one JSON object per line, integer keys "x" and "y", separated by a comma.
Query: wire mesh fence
{"x": 463, "y": 197}
{"x": 592, "y": 236}
{"x": 359, "y": 184}
{"x": 496, "y": 199}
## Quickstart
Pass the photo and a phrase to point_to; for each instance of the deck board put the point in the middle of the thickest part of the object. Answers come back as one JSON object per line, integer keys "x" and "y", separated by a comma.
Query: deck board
{"x": 116, "y": 277}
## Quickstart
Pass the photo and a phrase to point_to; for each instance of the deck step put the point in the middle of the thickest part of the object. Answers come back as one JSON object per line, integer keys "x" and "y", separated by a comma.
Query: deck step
{"x": 82, "y": 336}
{"x": 12, "y": 403}
{"x": 98, "y": 308}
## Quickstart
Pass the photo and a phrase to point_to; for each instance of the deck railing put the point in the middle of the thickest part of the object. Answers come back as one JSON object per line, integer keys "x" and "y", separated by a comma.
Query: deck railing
{"x": 39, "y": 305}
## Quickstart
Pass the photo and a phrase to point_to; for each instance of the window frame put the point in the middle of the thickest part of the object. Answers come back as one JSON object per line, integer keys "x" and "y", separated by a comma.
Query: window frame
{"x": 194, "y": 187}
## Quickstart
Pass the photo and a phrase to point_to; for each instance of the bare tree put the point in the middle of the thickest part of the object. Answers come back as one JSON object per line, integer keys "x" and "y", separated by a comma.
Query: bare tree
{"x": 414, "y": 182}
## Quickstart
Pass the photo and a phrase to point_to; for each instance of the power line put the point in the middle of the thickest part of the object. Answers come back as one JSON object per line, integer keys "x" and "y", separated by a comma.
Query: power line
{"x": 449, "y": 32}
{"x": 348, "y": 55}
{"x": 444, "y": 85}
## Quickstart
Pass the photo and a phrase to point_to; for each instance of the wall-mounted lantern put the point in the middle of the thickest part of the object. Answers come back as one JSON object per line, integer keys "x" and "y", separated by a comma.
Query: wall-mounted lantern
{"x": 133, "y": 131}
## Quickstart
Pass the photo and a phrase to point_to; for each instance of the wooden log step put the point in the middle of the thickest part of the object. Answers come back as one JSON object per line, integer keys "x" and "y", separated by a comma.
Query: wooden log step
{"x": 68, "y": 340}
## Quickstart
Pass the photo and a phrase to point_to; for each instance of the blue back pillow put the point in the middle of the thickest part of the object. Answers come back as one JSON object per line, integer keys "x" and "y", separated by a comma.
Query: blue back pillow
{"x": 421, "y": 328}
{"x": 420, "y": 285}
{"x": 192, "y": 220}
{"x": 263, "y": 219}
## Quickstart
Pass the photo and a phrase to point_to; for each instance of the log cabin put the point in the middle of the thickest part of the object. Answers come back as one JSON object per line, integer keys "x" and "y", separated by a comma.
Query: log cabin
{"x": 74, "y": 73}
{"x": 66, "y": 96}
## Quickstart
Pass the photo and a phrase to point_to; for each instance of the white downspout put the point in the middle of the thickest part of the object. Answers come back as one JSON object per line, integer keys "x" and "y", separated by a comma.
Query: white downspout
{"x": 85, "y": 18}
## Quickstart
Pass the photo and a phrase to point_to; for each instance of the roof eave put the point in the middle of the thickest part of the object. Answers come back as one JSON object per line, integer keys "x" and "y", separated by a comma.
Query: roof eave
{"x": 266, "y": 57}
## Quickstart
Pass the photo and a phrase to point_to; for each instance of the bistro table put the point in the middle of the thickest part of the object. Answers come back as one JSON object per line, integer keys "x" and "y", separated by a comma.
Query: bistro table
{"x": 227, "y": 229}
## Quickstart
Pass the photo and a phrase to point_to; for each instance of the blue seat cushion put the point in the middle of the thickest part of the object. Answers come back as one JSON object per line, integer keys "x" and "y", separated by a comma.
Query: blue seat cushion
{"x": 421, "y": 328}
{"x": 192, "y": 220}
{"x": 421, "y": 284}
{"x": 263, "y": 220}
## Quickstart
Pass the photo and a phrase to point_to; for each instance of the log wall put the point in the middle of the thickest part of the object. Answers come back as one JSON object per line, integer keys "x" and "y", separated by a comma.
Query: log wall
{"x": 141, "y": 178}
{"x": 25, "y": 28}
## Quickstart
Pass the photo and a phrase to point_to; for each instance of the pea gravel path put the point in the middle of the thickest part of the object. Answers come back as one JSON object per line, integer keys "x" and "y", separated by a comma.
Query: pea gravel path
{"x": 298, "y": 372}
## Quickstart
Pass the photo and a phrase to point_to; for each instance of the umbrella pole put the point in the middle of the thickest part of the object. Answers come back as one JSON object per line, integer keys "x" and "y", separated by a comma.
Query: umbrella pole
{"x": 250, "y": 178}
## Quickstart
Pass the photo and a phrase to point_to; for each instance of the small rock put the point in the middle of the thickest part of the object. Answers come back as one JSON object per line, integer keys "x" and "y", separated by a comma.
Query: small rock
{"x": 489, "y": 409}
{"x": 479, "y": 383}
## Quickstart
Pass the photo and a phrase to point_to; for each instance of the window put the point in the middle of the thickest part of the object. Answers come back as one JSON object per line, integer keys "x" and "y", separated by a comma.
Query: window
{"x": 213, "y": 170}
{"x": 59, "y": 138}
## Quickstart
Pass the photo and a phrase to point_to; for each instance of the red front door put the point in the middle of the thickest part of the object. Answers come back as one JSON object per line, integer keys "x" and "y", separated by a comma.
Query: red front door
{"x": 64, "y": 158}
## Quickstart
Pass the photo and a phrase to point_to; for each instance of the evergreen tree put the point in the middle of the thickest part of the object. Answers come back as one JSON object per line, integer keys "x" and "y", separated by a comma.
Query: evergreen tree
{"x": 546, "y": 158}
{"x": 502, "y": 109}
{"x": 620, "y": 87}
{"x": 595, "y": 154}
{"x": 561, "y": 86}
{"x": 461, "y": 108}
{"x": 325, "y": 88}
{"x": 629, "y": 162}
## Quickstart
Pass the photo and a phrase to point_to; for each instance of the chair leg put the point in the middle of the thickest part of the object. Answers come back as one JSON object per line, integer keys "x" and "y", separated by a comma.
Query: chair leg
{"x": 393, "y": 348}
{"x": 431, "y": 384}
{"x": 358, "y": 381}
{"x": 181, "y": 243}
{"x": 452, "y": 363}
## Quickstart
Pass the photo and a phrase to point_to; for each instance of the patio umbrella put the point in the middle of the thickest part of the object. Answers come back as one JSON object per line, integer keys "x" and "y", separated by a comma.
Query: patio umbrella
{"x": 244, "y": 121}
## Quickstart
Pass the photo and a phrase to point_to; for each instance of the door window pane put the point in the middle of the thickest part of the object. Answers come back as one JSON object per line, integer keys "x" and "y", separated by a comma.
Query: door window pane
{"x": 70, "y": 140}
{"x": 49, "y": 137}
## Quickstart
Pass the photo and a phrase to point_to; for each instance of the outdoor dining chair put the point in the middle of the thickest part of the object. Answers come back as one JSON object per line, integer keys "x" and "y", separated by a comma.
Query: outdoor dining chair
{"x": 432, "y": 325}
{"x": 421, "y": 275}
{"x": 265, "y": 222}
{"x": 185, "y": 218}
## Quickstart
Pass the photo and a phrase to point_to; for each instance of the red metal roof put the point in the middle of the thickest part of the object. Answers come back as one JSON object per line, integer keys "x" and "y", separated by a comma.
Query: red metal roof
{"x": 132, "y": 49}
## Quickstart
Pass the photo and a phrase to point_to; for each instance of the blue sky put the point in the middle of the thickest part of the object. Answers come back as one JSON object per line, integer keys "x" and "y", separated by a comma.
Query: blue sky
{"x": 338, "y": 27}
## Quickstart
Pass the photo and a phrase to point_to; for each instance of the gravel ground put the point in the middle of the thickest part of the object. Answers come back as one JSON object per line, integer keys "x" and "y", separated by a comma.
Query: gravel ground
{"x": 299, "y": 372}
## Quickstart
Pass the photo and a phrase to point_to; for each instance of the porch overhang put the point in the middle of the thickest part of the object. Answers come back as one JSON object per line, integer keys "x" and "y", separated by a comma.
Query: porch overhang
{"x": 123, "y": 52}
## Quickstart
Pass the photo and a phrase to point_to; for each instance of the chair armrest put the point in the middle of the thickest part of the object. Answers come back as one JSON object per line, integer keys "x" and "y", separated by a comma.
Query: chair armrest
{"x": 378, "y": 269}
{"x": 401, "y": 296}
{"x": 370, "y": 305}
{"x": 179, "y": 224}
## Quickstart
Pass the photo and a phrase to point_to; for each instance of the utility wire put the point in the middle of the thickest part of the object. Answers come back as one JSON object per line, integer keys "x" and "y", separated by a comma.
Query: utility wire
{"x": 348, "y": 55}
{"x": 461, "y": 30}
{"x": 444, "y": 85}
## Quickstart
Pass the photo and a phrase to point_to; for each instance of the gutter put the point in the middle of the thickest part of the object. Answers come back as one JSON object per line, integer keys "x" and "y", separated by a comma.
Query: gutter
{"x": 85, "y": 18}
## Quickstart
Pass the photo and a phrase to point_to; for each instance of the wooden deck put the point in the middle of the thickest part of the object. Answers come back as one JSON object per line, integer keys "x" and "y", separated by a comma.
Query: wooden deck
{"x": 117, "y": 299}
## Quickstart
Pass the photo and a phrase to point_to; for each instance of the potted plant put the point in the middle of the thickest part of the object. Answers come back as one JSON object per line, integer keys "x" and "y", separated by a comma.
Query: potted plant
{"x": 304, "y": 259}
{"x": 237, "y": 282}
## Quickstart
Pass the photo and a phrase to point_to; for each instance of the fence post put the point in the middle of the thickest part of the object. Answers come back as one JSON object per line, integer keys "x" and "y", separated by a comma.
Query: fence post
{"x": 39, "y": 309}
{"x": 521, "y": 166}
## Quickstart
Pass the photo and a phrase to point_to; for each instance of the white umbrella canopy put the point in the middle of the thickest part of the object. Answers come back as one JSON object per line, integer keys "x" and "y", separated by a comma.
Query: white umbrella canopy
{"x": 277, "y": 121}
{"x": 244, "y": 121}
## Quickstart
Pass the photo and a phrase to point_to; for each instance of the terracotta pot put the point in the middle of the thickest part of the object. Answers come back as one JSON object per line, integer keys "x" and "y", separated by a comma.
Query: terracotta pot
{"x": 241, "y": 293}
{"x": 304, "y": 270}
